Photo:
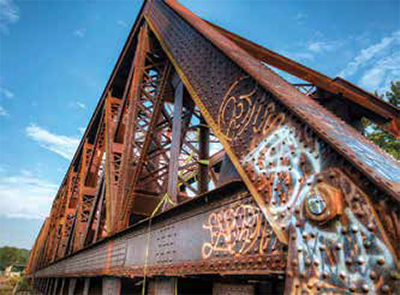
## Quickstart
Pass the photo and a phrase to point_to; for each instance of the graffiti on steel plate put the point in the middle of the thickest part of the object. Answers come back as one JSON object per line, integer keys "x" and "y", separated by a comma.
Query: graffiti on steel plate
{"x": 335, "y": 239}
{"x": 241, "y": 108}
{"x": 237, "y": 230}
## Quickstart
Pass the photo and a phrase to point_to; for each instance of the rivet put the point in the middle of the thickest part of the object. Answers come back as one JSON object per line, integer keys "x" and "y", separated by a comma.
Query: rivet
{"x": 360, "y": 260}
{"x": 365, "y": 288}
{"x": 381, "y": 261}
{"x": 385, "y": 289}
{"x": 352, "y": 288}
{"x": 372, "y": 275}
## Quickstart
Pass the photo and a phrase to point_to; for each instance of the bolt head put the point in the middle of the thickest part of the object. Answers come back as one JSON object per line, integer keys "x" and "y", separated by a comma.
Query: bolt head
{"x": 316, "y": 204}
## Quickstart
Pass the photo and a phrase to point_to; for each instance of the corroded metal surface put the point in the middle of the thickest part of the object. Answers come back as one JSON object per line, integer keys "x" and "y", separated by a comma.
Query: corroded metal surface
{"x": 227, "y": 235}
{"x": 194, "y": 51}
{"x": 270, "y": 132}
{"x": 314, "y": 185}
{"x": 338, "y": 86}
{"x": 351, "y": 253}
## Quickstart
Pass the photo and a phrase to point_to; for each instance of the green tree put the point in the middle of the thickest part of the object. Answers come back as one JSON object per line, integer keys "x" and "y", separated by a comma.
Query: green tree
{"x": 13, "y": 256}
{"x": 380, "y": 137}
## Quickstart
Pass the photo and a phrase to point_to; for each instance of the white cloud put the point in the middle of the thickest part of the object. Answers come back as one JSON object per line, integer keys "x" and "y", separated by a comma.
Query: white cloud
{"x": 371, "y": 54}
{"x": 77, "y": 105}
{"x": 62, "y": 145}
{"x": 309, "y": 50}
{"x": 25, "y": 196}
{"x": 82, "y": 130}
{"x": 79, "y": 32}
{"x": 322, "y": 46}
{"x": 80, "y": 105}
{"x": 7, "y": 93}
{"x": 3, "y": 112}
{"x": 122, "y": 23}
{"x": 9, "y": 14}
{"x": 382, "y": 73}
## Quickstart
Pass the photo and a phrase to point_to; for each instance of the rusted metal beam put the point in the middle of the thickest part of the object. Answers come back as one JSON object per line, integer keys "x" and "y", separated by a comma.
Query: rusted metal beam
{"x": 310, "y": 112}
{"x": 150, "y": 135}
{"x": 172, "y": 189}
{"x": 95, "y": 207}
{"x": 284, "y": 146}
{"x": 338, "y": 86}
{"x": 133, "y": 98}
{"x": 204, "y": 153}
{"x": 317, "y": 187}
{"x": 186, "y": 240}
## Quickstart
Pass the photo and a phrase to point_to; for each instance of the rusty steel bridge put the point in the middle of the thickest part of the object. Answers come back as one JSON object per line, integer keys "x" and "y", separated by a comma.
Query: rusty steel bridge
{"x": 202, "y": 171}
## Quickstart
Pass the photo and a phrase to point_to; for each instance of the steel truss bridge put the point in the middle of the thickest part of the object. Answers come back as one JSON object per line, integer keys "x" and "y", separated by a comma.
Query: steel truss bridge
{"x": 203, "y": 171}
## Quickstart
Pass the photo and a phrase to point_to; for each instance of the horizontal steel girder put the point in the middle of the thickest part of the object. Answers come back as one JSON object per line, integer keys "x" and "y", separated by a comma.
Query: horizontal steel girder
{"x": 221, "y": 232}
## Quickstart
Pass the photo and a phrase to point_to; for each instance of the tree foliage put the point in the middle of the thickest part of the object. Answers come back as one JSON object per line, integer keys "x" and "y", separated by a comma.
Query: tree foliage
{"x": 380, "y": 137}
{"x": 13, "y": 256}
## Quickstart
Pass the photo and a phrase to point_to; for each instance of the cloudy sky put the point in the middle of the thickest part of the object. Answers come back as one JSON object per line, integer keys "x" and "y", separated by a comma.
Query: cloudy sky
{"x": 56, "y": 56}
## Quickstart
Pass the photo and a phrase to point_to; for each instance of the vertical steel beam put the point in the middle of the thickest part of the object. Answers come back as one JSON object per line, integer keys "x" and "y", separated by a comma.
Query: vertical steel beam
{"x": 117, "y": 204}
{"x": 40, "y": 285}
{"x": 111, "y": 286}
{"x": 47, "y": 286}
{"x": 176, "y": 143}
{"x": 151, "y": 129}
{"x": 99, "y": 220}
{"x": 71, "y": 286}
{"x": 163, "y": 286}
{"x": 86, "y": 286}
{"x": 204, "y": 151}
{"x": 55, "y": 286}
{"x": 62, "y": 286}
{"x": 93, "y": 211}
{"x": 43, "y": 285}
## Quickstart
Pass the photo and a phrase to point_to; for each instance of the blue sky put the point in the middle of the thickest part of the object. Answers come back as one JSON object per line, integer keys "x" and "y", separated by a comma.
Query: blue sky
{"x": 56, "y": 56}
